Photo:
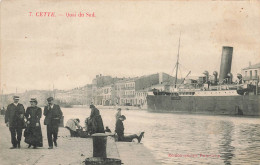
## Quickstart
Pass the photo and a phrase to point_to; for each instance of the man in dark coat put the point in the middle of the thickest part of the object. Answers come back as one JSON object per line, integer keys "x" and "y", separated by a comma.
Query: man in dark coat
{"x": 120, "y": 128}
{"x": 120, "y": 131}
{"x": 14, "y": 119}
{"x": 53, "y": 115}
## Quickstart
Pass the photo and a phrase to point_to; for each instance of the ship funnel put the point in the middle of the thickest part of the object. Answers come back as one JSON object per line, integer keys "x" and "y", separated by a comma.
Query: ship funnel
{"x": 226, "y": 60}
{"x": 215, "y": 74}
{"x": 206, "y": 73}
{"x": 230, "y": 78}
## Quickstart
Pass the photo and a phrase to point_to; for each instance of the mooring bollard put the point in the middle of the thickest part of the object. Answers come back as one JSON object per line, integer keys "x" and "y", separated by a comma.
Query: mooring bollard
{"x": 99, "y": 145}
{"x": 100, "y": 152}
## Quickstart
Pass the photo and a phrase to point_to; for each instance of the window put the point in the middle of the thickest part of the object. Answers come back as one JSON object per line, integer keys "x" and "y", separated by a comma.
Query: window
{"x": 245, "y": 73}
{"x": 255, "y": 73}
{"x": 250, "y": 74}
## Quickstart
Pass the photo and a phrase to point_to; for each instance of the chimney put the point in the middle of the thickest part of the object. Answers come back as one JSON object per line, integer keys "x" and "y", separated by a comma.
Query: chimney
{"x": 226, "y": 60}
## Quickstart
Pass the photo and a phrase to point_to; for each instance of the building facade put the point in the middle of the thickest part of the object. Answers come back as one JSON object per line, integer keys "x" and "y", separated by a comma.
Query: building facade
{"x": 251, "y": 74}
{"x": 109, "y": 91}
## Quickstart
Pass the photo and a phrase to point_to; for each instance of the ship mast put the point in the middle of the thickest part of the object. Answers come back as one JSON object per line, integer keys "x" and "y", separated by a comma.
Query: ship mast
{"x": 53, "y": 91}
{"x": 177, "y": 64}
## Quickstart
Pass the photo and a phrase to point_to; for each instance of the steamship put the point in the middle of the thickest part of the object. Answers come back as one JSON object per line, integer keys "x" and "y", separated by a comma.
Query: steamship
{"x": 211, "y": 95}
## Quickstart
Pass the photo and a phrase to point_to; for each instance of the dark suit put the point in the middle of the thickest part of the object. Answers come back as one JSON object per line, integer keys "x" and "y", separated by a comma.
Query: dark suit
{"x": 16, "y": 123}
{"x": 120, "y": 132}
{"x": 120, "y": 129}
{"x": 52, "y": 120}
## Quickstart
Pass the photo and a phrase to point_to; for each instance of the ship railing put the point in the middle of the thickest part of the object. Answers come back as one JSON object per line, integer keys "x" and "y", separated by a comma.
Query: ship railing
{"x": 200, "y": 87}
{"x": 226, "y": 87}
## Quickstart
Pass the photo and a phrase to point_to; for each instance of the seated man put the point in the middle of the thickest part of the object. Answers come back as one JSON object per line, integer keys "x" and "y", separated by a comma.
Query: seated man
{"x": 72, "y": 125}
{"x": 107, "y": 129}
{"x": 120, "y": 132}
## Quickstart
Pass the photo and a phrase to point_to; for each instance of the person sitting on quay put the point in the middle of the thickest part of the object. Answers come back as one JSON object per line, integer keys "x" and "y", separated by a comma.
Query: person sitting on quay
{"x": 72, "y": 125}
{"x": 120, "y": 132}
{"x": 107, "y": 129}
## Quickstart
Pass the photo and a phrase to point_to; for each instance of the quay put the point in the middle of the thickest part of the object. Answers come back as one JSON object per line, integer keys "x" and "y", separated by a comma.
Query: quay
{"x": 70, "y": 151}
{"x": 113, "y": 107}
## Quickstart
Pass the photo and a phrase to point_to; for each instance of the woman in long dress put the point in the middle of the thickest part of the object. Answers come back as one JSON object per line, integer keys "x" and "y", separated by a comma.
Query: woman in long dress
{"x": 33, "y": 132}
{"x": 96, "y": 120}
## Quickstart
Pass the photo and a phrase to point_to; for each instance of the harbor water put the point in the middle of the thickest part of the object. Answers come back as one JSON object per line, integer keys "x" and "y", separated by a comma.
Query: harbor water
{"x": 188, "y": 139}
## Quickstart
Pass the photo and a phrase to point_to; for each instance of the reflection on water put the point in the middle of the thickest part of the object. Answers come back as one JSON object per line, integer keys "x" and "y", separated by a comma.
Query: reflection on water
{"x": 210, "y": 139}
{"x": 226, "y": 149}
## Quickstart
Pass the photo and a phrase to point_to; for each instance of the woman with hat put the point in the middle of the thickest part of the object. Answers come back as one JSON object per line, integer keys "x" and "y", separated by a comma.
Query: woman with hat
{"x": 33, "y": 132}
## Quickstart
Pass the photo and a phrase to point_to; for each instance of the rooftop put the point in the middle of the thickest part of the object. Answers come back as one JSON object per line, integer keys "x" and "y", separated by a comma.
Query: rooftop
{"x": 256, "y": 66}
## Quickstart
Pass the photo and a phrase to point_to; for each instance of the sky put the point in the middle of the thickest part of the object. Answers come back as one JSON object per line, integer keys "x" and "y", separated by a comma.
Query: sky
{"x": 124, "y": 39}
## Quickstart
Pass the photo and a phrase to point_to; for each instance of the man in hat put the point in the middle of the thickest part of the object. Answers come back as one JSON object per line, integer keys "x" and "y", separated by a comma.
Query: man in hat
{"x": 120, "y": 131}
{"x": 120, "y": 128}
{"x": 14, "y": 119}
{"x": 53, "y": 114}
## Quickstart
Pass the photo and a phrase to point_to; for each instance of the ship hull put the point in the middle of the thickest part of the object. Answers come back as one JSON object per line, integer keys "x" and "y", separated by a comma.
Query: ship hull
{"x": 213, "y": 105}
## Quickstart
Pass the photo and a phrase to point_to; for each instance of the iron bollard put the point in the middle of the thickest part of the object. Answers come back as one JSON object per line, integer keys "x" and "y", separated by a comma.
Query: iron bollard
{"x": 100, "y": 152}
{"x": 99, "y": 145}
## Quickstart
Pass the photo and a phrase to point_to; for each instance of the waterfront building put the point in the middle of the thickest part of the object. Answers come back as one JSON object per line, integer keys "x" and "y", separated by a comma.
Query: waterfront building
{"x": 109, "y": 91}
{"x": 125, "y": 91}
{"x": 89, "y": 94}
{"x": 133, "y": 91}
{"x": 106, "y": 95}
{"x": 251, "y": 73}
{"x": 140, "y": 97}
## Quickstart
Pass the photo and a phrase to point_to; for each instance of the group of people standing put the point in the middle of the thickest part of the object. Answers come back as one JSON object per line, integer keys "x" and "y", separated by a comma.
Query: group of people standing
{"x": 17, "y": 119}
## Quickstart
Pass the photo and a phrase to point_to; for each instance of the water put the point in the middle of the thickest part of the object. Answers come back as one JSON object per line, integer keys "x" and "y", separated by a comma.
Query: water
{"x": 188, "y": 139}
